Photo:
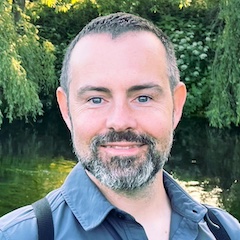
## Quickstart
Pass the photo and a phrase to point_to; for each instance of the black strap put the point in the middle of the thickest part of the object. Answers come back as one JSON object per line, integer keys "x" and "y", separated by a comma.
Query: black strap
{"x": 44, "y": 219}
{"x": 215, "y": 225}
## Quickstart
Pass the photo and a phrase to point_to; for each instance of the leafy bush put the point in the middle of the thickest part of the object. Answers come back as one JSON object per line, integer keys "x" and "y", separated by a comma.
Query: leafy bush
{"x": 18, "y": 97}
{"x": 194, "y": 45}
{"x": 224, "y": 107}
{"x": 38, "y": 59}
{"x": 60, "y": 27}
{"x": 26, "y": 67}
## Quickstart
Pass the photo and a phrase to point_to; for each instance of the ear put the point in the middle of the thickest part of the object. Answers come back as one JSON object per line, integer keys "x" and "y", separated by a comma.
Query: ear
{"x": 62, "y": 100}
{"x": 179, "y": 98}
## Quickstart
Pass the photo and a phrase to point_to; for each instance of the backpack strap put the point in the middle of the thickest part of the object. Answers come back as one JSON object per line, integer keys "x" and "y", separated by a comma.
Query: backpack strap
{"x": 43, "y": 214}
{"x": 215, "y": 225}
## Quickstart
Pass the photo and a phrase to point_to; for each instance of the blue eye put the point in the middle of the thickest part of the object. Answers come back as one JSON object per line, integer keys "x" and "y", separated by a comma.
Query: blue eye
{"x": 143, "y": 99}
{"x": 96, "y": 100}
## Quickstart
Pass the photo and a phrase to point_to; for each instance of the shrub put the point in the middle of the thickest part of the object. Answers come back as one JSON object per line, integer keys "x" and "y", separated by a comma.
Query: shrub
{"x": 26, "y": 67}
{"x": 194, "y": 45}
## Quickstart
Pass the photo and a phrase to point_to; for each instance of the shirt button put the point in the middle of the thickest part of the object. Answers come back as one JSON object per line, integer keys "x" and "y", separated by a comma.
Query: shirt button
{"x": 120, "y": 216}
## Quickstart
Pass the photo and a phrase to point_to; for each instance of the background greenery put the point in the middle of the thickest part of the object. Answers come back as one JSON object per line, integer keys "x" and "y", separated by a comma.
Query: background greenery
{"x": 34, "y": 35}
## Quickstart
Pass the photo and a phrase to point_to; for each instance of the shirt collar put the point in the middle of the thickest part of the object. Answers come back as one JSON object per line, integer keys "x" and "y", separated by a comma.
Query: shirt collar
{"x": 84, "y": 199}
{"x": 181, "y": 201}
{"x": 90, "y": 207}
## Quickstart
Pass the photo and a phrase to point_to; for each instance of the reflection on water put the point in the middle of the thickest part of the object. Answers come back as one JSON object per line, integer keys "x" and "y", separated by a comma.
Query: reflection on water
{"x": 36, "y": 159}
{"x": 24, "y": 183}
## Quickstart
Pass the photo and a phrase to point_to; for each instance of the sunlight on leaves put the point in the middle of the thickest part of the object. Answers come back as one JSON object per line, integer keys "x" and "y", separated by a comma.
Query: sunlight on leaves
{"x": 63, "y": 5}
{"x": 185, "y": 3}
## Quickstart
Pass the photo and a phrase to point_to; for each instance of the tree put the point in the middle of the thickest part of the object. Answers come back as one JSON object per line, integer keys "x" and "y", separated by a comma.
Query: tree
{"x": 18, "y": 6}
{"x": 224, "y": 107}
{"x": 26, "y": 65}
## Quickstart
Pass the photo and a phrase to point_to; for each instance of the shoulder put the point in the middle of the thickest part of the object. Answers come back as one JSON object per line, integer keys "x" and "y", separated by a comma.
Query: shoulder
{"x": 230, "y": 223}
{"x": 21, "y": 223}
{"x": 18, "y": 224}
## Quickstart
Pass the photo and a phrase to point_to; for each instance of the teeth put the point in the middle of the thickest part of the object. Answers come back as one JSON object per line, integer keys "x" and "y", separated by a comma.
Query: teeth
{"x": 118, "y": 147}
{"x": 121, "y": 147}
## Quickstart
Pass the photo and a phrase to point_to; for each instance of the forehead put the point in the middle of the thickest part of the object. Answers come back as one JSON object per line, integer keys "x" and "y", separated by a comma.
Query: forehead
{"x": 135, "y": 56}
{"x": 103, "y": 43}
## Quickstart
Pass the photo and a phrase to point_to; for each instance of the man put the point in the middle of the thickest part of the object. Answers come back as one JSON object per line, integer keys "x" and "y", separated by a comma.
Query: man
{"x": 121, "y": 98}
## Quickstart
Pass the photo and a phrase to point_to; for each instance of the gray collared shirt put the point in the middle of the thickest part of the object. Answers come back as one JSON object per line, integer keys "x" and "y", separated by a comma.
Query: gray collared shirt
{"x": 80, "y": 211}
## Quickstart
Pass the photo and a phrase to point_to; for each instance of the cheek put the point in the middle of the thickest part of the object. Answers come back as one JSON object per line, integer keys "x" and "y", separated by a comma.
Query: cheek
{"x": 85, "y": 128}
{"x": 157, "y": 123}
{"x": 159, "y": 132}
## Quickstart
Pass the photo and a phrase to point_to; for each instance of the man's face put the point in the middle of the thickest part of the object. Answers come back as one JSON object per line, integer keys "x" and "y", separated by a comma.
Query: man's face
{"x": 121, "y": 110}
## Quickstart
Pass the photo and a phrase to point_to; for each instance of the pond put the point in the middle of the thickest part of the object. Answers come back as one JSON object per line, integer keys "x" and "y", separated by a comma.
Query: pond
{"x": 36, "y": 158}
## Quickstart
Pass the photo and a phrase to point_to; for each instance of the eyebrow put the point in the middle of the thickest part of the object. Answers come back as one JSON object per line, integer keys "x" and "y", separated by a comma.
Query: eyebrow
{"x": 145, "y": 86}
{"x": 85, "y": 89}
{"x": 132, "y": 89}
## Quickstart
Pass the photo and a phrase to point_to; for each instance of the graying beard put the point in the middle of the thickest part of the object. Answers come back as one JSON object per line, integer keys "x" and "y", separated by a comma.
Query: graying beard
{"x": 128, "y": 174}
{"x": 129, "y": 178}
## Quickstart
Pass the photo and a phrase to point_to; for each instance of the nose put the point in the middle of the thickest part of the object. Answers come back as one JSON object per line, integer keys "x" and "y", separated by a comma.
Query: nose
{"x": 121, "y": 118}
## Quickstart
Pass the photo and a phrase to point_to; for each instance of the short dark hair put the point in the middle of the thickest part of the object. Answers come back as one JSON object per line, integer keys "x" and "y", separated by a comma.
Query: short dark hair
{"x": 117, "y": 24}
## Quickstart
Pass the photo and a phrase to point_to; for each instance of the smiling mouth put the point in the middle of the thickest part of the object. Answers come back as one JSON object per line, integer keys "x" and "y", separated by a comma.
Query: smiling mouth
{"x": 122, "y": 145}
{"x": 122, "y": 148}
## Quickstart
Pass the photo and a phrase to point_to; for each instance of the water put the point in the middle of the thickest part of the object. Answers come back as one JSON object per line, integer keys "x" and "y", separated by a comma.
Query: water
{"x": 34, "y": 159}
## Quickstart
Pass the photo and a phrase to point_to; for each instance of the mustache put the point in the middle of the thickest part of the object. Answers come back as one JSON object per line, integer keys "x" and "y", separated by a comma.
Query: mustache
{"x": 127, "y": 136}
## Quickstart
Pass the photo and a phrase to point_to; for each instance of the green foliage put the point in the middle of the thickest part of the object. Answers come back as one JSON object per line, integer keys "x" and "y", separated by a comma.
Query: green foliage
{"x": 231, "y": 200}
{"x": 62, "y": 5}
{"x": 18, "y": 96}
{"x": 26, "y": 67}
{"x": 151, "y": 9}
{"x": 38, "y": 60}
{"x": 61, "y": 27}
{"x": 35, "y": 61}
{"x": 224, "y": 108}
{"x": 194, "y": 44}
